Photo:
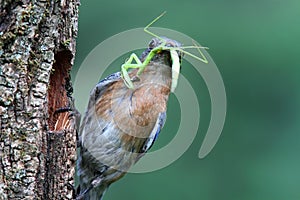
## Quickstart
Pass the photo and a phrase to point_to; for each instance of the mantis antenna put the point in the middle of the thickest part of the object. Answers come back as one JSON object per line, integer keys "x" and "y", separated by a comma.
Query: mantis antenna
{"x": 152, "y": 22}
{"x": 203, "y": 59}
{"x": 141, "y": 65}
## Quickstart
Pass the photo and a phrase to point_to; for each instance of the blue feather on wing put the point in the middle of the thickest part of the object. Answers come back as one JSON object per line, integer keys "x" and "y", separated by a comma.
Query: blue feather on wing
{"x": 161, "y": 119}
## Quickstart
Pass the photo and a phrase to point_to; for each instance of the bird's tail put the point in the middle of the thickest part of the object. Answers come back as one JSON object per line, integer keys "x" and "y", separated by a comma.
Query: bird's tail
{"x": 92, "y": 193}
{"x": 90, "y": 189}
{"x": 90, "y": 186}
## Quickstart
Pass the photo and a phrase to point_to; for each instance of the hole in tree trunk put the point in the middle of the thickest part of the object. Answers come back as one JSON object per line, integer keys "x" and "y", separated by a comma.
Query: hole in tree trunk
{"x": 58, "y": 91}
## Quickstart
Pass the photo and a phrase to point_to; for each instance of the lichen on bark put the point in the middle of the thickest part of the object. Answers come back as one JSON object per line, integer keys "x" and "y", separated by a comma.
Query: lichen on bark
{"x": 36, "y": 160}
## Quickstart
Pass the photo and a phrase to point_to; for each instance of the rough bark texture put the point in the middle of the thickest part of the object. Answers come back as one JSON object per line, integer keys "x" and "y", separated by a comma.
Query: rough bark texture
{"x": 37, "y": 146}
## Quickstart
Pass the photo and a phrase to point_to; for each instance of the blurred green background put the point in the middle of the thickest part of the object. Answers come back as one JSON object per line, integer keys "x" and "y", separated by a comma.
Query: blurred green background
{"x": 256, "y": 46}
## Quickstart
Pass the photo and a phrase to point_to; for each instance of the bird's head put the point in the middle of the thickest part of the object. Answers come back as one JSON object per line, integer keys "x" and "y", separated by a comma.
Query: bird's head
{"x": 163, "y": 56}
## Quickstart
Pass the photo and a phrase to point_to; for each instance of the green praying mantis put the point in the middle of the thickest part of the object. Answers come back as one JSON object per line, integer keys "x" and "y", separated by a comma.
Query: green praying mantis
{"x": 162, "y": 47}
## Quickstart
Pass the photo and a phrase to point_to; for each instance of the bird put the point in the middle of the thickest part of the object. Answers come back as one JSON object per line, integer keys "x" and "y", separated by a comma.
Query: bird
{"x": 121, "y": 124}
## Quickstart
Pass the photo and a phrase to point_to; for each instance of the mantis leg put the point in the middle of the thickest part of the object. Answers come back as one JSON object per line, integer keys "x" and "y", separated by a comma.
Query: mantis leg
{"x": 129, "y": 65}
{"x": 148, "y": 58}
{"x": 134, "y": 57}
{"x": 203, "y": 59}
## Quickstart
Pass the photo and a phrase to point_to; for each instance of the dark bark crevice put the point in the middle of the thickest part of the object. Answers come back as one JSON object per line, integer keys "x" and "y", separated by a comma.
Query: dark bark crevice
{"x": 58, "y": 88}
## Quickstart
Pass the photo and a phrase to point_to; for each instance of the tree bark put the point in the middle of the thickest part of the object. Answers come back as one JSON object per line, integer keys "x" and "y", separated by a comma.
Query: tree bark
{"x": 37, "y": 145}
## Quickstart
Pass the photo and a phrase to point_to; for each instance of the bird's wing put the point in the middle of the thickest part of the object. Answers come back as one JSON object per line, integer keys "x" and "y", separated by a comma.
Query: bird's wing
{"x": 89, "y": 167}
{"x": 161, "y": 119}
{"x": 103, "y": 84}
{"x": 95, "y": 94}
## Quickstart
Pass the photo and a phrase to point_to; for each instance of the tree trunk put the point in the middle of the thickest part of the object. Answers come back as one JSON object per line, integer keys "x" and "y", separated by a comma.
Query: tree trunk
{"x": 37, "y": 145}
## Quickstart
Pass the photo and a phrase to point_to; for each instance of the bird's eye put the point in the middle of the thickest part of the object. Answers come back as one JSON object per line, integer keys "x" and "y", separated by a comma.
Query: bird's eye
{"x": 152, "y": 44}
{"x": 155, "y": 42}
